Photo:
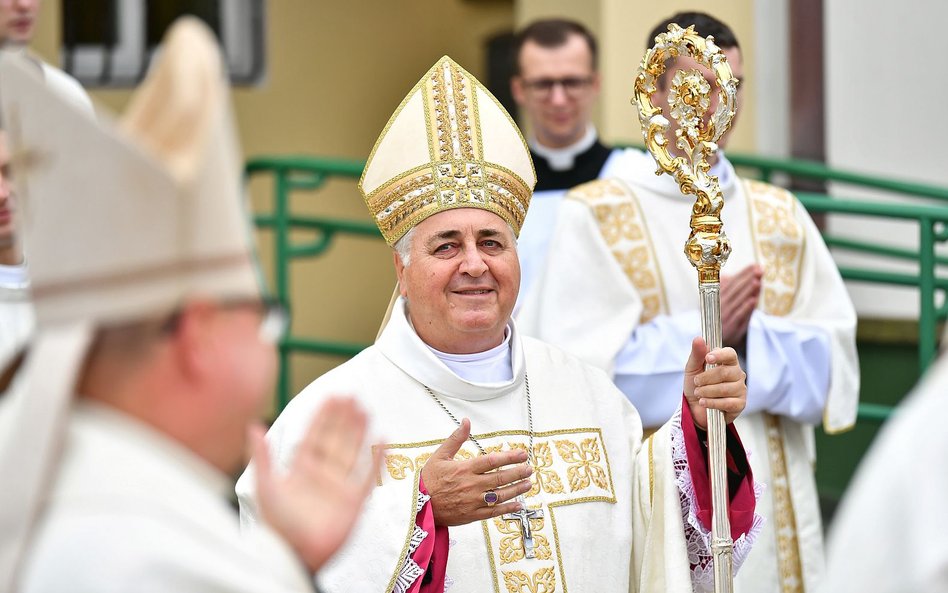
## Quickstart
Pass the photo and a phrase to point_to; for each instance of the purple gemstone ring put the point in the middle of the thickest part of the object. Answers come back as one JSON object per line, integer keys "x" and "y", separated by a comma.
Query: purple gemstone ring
{"x": 491, "y": 498}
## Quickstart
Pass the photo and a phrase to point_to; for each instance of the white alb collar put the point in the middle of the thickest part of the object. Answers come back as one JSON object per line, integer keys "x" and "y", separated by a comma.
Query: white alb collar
{"x": 400, "y": 344}
{"x": 561, "y": 159}
{"x": 491, "y": 367}
{"x": 14, "y": 277}
{"x": 639, "y": 167}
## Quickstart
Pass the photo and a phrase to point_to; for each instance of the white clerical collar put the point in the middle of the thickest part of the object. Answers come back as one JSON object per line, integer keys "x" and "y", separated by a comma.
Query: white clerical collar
{"x": 14, "y": 277}
{"x": 561, "y": 159}
{"x": 489, "y": 367}
{"x": 400, "y": 344}
{"x": 639, "y": 167}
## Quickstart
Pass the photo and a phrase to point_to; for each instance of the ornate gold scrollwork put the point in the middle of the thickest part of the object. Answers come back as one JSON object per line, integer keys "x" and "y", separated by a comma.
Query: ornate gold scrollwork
{"x": 689, "y": 101}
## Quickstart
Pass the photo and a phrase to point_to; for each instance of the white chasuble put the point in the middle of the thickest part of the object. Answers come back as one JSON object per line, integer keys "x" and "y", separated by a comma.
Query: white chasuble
{"x": 605, "y": 510}
{"x": 618, "y": 292}
{"x": 132, "y": 510}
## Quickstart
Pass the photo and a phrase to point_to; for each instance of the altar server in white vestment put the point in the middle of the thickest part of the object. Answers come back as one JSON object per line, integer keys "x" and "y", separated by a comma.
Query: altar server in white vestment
{"x": 153, "y": 354}
{"x": 888, "y": 535}
{"x": 618, "y": 292}
{"x": 448, "y": 184}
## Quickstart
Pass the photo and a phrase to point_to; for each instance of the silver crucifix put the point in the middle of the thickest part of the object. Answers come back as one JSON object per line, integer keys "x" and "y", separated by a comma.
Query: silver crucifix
{"x": 523, "y": 516}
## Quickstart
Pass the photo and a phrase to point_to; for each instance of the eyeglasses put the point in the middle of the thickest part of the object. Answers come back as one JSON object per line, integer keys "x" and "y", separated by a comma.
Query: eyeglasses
{"x": 274, "y": 317}
{"x": 572, "y": 86}
{"x": 275, "y": 321}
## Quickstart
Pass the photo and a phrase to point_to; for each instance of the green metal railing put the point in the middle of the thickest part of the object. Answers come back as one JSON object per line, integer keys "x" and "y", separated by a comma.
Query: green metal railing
{"x": 308, "y": 173}
{"x": 291, "y": 174}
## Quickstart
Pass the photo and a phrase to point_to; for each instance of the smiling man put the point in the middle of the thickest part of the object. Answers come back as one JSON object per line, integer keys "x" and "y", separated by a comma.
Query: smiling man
{"x": 543, "y": 482}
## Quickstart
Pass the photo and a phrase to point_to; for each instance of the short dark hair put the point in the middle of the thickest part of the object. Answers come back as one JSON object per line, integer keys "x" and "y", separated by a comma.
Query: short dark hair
{"x": 551, "y": 33}
{"x": 704, "y": 25}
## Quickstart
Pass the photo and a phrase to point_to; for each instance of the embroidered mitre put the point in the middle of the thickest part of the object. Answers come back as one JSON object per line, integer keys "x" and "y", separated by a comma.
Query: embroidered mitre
{"x": 450, "y": 144}
{"x": 125, "y": 219}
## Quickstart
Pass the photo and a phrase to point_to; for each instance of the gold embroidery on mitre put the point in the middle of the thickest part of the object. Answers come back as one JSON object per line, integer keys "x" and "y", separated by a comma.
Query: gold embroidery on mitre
{"x": 458, "y": 176}
{"x": 623, "y": 228}
{"x": 779, "y": 242}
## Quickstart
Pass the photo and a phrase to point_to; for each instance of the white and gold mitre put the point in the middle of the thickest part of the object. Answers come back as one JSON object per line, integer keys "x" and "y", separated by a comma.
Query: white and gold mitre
{"x": 123, "y": 220}
{"x": 450, "y": 144}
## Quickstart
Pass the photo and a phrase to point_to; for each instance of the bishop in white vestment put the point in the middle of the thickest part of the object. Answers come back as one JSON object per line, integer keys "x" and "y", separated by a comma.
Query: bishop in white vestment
{"x": 604, "y": 511}
{"x": 617, "y": 291}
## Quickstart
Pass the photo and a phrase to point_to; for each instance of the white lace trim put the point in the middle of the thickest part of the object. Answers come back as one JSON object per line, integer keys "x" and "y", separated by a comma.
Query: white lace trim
{"x": 697, "y": 538}
{"x": 410, "y": 571}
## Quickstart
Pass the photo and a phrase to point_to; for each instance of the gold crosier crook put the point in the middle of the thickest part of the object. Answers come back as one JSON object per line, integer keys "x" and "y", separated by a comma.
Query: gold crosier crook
{"x": 707, "y": 247}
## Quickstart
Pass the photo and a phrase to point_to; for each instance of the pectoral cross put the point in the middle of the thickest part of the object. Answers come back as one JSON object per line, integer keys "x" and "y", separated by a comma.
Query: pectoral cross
{"x": 523, "y": 516}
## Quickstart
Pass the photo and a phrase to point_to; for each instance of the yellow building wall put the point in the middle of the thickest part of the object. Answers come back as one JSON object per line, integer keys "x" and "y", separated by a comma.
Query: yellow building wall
{"x": 621, "y": 27}
{"x": 335, "y": 73}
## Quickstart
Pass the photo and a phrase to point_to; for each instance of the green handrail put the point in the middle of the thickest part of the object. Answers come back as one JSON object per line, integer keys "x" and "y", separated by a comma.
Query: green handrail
{"x": 767, "y": 166}
{"x": 302, "y": 173}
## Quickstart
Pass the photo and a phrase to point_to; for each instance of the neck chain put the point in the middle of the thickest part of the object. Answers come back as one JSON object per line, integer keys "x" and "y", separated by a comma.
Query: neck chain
{"x": 526, "y": 384}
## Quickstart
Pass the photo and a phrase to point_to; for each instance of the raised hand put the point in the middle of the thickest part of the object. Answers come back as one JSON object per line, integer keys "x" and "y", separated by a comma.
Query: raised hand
{"x": 721, "y": 388}
{"x": 740, "y": 294}
{"x": 316, "y": 503}
{"x": 457, "y": 488}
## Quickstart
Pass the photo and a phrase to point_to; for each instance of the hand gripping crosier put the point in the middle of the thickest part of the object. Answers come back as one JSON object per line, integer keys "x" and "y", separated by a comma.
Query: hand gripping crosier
{"x": 707, "y": 247}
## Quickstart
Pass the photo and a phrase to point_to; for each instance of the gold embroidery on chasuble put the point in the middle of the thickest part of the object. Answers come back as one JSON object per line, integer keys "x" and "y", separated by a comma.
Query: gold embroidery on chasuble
{"x": 779, "y": 243}
{"x": 625, "y": 232}
{"x": 572, "y": 467}
{"x": 789, "y": 565}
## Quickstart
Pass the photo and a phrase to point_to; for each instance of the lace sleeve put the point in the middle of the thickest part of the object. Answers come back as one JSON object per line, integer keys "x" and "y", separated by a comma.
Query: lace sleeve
{"x": 411, "y": 571}
{"x": 697, "y": 538}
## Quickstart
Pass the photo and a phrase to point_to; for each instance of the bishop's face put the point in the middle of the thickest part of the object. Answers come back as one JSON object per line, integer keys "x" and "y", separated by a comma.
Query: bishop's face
{"x": 462, "y": 281}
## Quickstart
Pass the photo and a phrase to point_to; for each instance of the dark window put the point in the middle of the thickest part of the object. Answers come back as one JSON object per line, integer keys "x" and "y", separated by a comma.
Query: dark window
{"x": 111, "y": 42}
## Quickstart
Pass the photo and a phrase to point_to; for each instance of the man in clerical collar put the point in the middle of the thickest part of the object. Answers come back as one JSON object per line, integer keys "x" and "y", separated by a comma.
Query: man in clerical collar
{"x": 543, "y": 482}
{"x": 556, "y": 84}
{"x": 784, "y": 308}
{"x": 154, "y": 354}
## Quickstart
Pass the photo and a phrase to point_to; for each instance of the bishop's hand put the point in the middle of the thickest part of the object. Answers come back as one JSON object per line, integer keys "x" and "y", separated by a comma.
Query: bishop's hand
{"x": 316, "y": 503}
{"x": 459, "y": 488}
{"x": 721, "y": 388}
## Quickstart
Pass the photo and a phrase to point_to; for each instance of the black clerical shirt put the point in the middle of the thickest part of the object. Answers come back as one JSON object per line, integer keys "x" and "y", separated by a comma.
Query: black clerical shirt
{"x": 586, "y": 167}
